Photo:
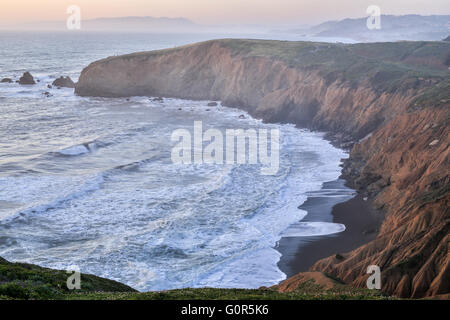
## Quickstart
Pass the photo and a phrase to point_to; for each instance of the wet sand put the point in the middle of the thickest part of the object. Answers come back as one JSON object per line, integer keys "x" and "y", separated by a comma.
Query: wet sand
{"x": 334, "y": 203}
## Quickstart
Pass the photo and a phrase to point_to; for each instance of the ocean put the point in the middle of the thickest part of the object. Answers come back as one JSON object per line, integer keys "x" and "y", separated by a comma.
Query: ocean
{"x": 89, "y": 182}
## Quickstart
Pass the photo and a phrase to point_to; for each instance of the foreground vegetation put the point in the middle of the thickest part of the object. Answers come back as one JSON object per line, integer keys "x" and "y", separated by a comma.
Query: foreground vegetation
{"x": 24, "y": 281}
{"x": 27, "y": 281}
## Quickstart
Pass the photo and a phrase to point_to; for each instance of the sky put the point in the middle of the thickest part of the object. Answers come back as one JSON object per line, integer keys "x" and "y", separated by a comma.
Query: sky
{"x": 274, "y": 12}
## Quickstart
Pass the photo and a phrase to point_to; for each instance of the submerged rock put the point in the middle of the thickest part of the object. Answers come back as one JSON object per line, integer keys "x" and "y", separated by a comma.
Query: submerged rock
{"x": 27, "y": 78}
{"x": 64, "y": 82}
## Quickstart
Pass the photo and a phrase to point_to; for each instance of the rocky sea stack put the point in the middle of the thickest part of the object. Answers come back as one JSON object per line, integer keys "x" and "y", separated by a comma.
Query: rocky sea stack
{"x": 64, "y": 82}
{"x": 27, "y": 79}
{"x": 391, "y": 99}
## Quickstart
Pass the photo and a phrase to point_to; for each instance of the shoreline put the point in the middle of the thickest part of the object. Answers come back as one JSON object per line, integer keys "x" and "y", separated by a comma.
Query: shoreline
{"x": 291, "y": 248}
{"x": 333, "y": 203}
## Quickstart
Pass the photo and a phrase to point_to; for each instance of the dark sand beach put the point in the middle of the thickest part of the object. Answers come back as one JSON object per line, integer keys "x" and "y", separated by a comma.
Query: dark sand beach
{"x": 333, "y": 203}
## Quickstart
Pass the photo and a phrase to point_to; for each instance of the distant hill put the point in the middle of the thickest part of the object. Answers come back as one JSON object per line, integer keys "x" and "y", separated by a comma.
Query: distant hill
{"x": 393, "y": 28}
{"x": 145, "y": 24}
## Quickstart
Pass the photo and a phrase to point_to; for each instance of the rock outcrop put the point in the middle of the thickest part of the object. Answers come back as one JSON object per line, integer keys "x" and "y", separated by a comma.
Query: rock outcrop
{"x": 6, "y": 80}
{"x": 64, "y": 82}
{"x": 27, "y": 79}
{"x": 392, "y": 97}
{"x": 318, "y": 278}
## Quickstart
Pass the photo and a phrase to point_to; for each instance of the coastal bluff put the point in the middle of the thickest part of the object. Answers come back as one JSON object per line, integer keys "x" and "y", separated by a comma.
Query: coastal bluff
{"x": 390, "y": 101}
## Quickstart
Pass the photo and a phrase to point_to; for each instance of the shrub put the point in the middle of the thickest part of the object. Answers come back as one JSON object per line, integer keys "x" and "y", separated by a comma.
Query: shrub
{"x": 15, "y": 291}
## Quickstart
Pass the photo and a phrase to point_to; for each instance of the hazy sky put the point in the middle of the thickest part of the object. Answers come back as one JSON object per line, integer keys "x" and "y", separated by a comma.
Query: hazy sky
{"x": 217, "y": 11}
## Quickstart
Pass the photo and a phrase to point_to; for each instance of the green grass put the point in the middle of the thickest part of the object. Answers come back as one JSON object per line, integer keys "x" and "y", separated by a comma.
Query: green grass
{"x": 237, "y": 294}
{"x": 25, "y": 281}
{"x": 436, "y": 96}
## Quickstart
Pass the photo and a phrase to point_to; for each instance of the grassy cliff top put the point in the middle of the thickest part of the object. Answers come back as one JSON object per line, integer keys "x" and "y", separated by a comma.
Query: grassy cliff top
{"x": 420, "y": 55}
{"x": 387, "y": 66}
{"x": 434, "y": 54}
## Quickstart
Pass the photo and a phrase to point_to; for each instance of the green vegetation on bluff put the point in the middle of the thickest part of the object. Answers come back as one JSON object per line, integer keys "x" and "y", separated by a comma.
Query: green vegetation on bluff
{"x": 26, "y": 281}
{"x": 308, "y": 292}
{"x": 388, "y": 66}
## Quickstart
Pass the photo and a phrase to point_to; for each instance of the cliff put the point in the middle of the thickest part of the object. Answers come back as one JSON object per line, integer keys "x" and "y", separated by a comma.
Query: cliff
{"x": 392, "y": 99}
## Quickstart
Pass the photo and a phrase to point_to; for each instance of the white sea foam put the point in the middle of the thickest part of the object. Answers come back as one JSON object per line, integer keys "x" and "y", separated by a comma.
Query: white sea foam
{"x": 120, "y": 208}
{"x": 280, "y": 218}
{"x": 34, "y": 195}
{"x": 307, "y": 229}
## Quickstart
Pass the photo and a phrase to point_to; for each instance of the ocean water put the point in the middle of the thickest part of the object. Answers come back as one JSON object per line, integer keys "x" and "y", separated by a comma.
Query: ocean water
{"x": 89, "y": 182}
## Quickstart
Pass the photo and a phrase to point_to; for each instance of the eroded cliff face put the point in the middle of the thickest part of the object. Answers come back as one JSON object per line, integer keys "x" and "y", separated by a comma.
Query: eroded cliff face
{"x": 266, "y": 87}
{"x": 406, "y": 168}
{"x": 398, "y": 103}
